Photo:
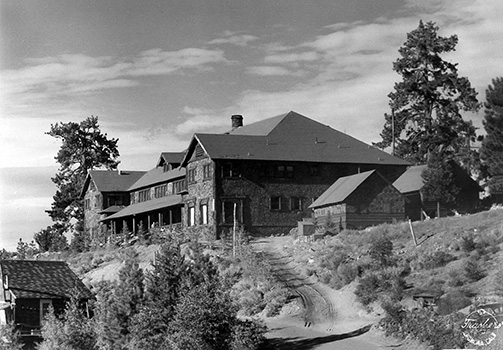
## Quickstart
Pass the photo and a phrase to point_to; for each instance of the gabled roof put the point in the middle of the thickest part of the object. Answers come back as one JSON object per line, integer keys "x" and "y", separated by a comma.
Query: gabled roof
{"x": 42, "y": 279}
{"x": 411, "y": 180}
{"x": 111, "y": 180}
{"x": 170, "y": 158}
{"x": 290, "y": 137}
{"x": 144, "y": 207}
{"x": 341, "y": 189}
{"x": 156, "y": 176}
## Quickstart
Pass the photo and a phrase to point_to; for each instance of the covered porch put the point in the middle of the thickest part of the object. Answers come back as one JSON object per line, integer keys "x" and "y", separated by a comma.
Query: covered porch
{"x": 140, "y": 217}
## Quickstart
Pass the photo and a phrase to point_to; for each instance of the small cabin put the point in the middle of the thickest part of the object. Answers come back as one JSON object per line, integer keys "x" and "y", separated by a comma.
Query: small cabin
{"x": 29, "y": 287}
{"x": 411, "y": 184}
{"x": 359, "y": 201}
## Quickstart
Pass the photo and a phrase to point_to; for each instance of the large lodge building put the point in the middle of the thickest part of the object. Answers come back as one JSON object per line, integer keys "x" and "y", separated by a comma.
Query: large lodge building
{"x": 264, "y": 175}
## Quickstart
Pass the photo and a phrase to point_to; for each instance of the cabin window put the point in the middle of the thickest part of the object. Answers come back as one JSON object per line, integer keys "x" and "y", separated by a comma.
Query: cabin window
{"x": 160, "y": 191}
{"x": 206, "y": 171}
{"x": 44, "y": 308}
{"x": 191, "y": 175}
{"x": 144, "y": 195}
{"x": 179, "y": 186}
{"x": 115, "y": 199}
{"x": 191, "y": 217}
{"x": 295, "y": 203}
{"x": 230, "y": 170}
{"x": 203, "y": 209}
{"x": 275, "y": 203}
{"x": 87, "y": 204}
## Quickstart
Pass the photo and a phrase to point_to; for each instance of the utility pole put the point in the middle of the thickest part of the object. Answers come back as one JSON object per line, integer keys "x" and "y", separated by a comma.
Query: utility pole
{"x": 392, "y": 131}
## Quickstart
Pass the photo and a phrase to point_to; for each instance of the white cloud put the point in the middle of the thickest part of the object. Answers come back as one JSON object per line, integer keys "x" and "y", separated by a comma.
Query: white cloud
{"x": 308, "y": 56}
{"x": 241, "y": 40}
{"x": 269, "y": 71}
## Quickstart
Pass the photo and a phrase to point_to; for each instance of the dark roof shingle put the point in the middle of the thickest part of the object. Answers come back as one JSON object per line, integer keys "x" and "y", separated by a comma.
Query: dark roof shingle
{"x": 291, "y": 137}
{"x": 155, "y": 176}
{"x": 111, "y": 180}
{"x": 42, "y": 279}
{"x": 341, "y": 189}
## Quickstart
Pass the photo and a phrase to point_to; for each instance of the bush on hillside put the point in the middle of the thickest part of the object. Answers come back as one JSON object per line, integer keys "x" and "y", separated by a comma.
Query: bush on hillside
{"x": 473, "y": 270}
{"x": 381, "y": 251}
{"x": 435, "y": 259}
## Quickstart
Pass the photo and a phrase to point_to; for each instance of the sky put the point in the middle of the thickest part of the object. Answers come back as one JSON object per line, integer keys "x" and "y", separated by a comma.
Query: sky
{"x": 156, "y": 71}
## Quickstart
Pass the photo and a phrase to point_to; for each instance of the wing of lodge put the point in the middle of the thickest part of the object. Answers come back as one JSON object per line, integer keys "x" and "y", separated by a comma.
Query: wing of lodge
{"x": 264, "y": 175}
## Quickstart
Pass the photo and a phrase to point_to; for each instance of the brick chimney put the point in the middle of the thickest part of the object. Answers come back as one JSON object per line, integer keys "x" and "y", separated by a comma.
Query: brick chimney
{"x": 237, "y": 121}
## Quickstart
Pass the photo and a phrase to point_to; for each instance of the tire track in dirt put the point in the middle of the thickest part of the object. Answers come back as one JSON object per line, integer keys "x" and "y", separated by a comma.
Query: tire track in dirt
{"x": 317, "y": 306}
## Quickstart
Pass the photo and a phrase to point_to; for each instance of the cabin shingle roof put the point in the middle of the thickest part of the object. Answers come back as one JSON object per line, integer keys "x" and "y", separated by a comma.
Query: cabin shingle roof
{"x": 341, "y": 189}
{"x": 411, "y": 180}
{"x": 42, "y": 279}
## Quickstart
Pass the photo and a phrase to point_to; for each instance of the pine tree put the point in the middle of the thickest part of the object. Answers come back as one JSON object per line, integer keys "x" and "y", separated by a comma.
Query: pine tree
{"x": 84, "y": 147}
{"x": 72, "y": 331}
{"x": 491, "y": 152}
{"x": 427, "y": 104}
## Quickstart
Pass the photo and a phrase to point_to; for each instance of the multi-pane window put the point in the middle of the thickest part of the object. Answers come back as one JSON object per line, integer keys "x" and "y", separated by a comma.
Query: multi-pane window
{"x": 191, "y": 175}
{"x": 115, "y": 199}
{"x": 160, "y": 191}
{"x": 179, "y": 186}
{"x": 144, "y": 195}
{"x": 206, "y": 171}
{"x": 279, "y": 171}
{"x": 87, "y": 204}
{"x": 230, "y": 170}
{"x": 132, "y": 198}
{"x": 295, "y": 203}
{"x": 275, "y": 203}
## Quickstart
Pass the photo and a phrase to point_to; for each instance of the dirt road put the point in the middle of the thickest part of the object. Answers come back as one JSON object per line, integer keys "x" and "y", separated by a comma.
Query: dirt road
{"x": 328, "y": 320}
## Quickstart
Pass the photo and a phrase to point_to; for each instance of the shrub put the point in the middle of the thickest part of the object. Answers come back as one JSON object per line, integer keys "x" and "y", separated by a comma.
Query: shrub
{"x": 381, "y": 250}
{"x": 473, "y": 270}
{"x": 275, "y": 299}
{"x": 435, "y": 259}
{"x": 347, "y": 273}
{"x": 366, "y": 290}
{"x": 9, "y": 338}
{"x": 248, "y": 335}
{"x": 468, "y": 243}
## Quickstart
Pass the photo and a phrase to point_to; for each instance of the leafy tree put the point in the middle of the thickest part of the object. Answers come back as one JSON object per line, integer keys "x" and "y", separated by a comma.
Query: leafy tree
{"x": 51, "y": 238}
{"x": 427, "y": 104}
{"x": 491, "y": 152}
{"x": 84, "y": 147}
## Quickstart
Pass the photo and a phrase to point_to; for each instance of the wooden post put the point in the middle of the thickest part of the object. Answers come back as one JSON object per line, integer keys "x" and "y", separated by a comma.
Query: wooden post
{"x": 134, "y": 225}
{"x": 438, "y": 209}
{"x": 160, "y": 219}
{"x": 234, "y": 231}
{"x": 412, "y": 232}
